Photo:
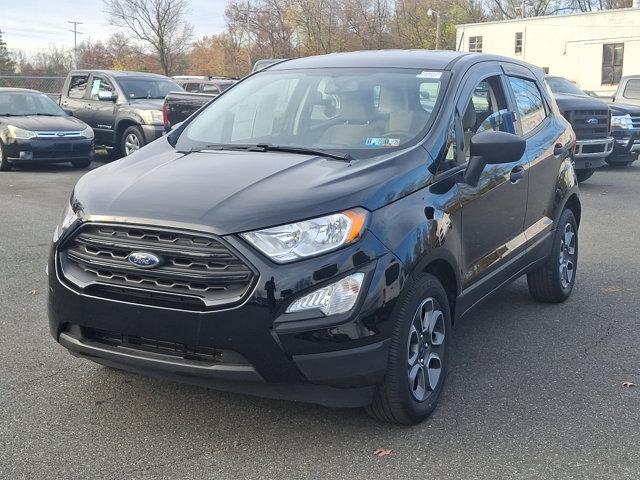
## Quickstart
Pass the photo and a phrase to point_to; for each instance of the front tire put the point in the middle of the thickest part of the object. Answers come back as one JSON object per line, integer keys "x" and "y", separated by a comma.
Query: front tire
{"x": 5, "y": 165}
{"x": 418, "y": 354}
{"x": 554, "y": 280}
{"x": 132, "y": 140}
{"x": 585, "y": 174}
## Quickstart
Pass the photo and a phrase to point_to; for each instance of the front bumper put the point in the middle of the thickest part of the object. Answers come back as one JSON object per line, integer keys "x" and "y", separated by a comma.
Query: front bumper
{"x": 305, "y": 357}
{"x": 627, "y": 145}
{"x": 592, "y": 153}
{"x": 152, "y": 132}
{"x": 50, "y": 150}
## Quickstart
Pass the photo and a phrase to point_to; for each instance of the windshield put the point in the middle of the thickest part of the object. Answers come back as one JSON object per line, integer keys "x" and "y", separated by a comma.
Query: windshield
{"x": 359, "y": 111}
{"x": 146, "y": 87}
{"x": 27, "y": 103}
{"x": 561, "y": 86}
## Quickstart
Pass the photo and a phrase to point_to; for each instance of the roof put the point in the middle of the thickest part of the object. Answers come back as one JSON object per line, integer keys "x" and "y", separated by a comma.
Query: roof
{"x": 418, "y": 59}
{"x": 23, "y": 90}
{"x": 432, "y": 59}
{"x": 621, "y": 11}
{"x": 118, "y": 73}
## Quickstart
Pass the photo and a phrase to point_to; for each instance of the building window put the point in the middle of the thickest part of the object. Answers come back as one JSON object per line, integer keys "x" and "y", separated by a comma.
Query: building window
{"x": 518, "y": 42}
{"x": 612, "y": 54}
{"x": 475, "y": 44}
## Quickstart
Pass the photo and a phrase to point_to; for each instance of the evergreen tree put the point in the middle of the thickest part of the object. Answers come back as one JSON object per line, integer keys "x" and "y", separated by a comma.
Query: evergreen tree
{"x": 7, "y": 65}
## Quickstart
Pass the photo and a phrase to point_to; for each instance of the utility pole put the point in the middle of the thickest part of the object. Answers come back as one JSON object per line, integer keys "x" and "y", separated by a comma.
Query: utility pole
{"x": 437, "y": 14}
{"x": 75, "y": 41}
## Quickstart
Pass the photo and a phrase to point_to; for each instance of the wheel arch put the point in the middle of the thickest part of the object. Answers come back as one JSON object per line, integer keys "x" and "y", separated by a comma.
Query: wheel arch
{"x": 573, "y": 204}
{"x": 122, "y": 126}
{"x": 445, "y": 272}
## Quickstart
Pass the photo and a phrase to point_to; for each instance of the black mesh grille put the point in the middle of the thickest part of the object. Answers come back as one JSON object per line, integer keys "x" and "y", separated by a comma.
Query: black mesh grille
{"x": 152, "y": 345}
{"x": 196, "y": 271}
{"x": 635, "y": 118}
{"x": 589, "y": 124}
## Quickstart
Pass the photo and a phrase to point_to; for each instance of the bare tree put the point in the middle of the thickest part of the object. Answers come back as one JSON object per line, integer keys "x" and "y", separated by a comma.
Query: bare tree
{"x": 159, "y": 26}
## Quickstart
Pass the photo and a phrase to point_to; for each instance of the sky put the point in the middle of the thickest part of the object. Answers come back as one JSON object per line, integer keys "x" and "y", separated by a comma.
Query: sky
{"x": 31, "y": 25}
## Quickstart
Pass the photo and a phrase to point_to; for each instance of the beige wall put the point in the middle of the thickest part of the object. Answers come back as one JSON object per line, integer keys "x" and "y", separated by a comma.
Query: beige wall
{"x": 570, "y": 45}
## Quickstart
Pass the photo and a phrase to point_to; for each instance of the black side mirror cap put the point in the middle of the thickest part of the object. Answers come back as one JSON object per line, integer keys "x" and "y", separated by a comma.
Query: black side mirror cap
{"x": 497, "y": 147}
{"x": 491, "y": 147}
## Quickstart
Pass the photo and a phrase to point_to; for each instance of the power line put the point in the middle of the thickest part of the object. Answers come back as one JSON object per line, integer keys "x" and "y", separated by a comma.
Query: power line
{"x": 75, "y": 41}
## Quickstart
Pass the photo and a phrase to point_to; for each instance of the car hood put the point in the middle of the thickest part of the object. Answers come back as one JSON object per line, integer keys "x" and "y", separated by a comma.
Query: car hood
{"x": 230, "y": 192}
{"x": 571, "y": 102}
{"x": 39, "y": 123}
{"x": 624, "y": 108}
{"x": 147, "y": 103}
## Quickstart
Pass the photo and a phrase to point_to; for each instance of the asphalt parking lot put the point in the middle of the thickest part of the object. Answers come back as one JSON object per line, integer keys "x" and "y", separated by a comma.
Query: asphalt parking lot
{"x": 535, "y": 391}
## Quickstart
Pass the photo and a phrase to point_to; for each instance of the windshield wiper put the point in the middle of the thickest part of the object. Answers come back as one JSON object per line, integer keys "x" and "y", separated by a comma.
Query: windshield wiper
{"x": 265, "y": 147}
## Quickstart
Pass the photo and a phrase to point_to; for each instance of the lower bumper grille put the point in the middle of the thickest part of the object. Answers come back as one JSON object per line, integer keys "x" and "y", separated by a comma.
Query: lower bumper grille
{"x": 151, "y": 345}
{"x": 193, "y": 271}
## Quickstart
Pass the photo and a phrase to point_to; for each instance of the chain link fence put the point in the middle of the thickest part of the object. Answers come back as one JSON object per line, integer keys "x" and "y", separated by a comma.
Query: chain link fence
{"x": 48, "y": 85}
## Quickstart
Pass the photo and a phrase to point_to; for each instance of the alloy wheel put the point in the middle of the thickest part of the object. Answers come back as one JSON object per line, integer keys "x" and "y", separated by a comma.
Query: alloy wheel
{"x": 425, "y": 349}
{"x": 567, "y": 260}
{"x": 131, "y": 143}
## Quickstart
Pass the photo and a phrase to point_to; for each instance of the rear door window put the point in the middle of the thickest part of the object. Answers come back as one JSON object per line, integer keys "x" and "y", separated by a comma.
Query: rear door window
{"x": 529, "y": 102}
{"x": 77, "y": 86}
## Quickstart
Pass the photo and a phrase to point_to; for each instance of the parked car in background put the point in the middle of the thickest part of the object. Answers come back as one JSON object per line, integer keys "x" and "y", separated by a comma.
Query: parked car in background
{"x": 626, "y": 121}
{"x": 202, "y": 84}
{"x": 314, "y": 232}
{"x": 591, "y": 121}
{"x": 178, "y": 106}
{"x": 123, "y": 108}
{"x": 33, "y": 128}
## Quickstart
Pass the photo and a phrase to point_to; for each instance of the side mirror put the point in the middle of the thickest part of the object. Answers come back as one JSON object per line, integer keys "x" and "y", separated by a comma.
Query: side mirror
{"x": 491, "y": 147}
{"x": 106, "y": 96}
{"x": 69, "y": 112}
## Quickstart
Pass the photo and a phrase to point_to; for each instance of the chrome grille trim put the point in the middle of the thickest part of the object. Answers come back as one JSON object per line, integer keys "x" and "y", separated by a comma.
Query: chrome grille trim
{"x": 197, "y": 267}
{"x": 58, "y": 134}
{"x": 585, "y": 131}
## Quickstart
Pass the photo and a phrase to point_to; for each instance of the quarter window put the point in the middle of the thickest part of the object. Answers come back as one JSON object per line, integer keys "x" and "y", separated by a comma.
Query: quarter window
{"x": 612, "y": 55}
{"x": 77, "y": 86}
{"x": 475, "y": 44}
{"x": 531, "y": 109}
{"x": 518, "y": 46}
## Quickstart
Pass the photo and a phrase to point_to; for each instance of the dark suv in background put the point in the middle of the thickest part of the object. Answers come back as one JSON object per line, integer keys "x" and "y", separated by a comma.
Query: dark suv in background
{"x": 123, "y": 108}
{"x": 315, "y": 232}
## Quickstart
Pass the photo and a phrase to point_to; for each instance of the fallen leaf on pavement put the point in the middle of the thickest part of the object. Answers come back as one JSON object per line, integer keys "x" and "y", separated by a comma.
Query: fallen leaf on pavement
{"x": 611, "y": 289}
{"x": 381, "y": 452}
{"x": 628, "y": 384}
{"x": 34, "y": 292}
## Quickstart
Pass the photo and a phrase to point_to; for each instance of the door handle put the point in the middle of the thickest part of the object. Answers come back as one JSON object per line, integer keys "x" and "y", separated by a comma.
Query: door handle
{"x": 516, "y": 174}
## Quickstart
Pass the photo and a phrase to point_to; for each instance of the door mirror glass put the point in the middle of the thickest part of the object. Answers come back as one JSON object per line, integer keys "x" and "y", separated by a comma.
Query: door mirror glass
{"x": 105, "y": 96}
{"x": 497, "y": 147}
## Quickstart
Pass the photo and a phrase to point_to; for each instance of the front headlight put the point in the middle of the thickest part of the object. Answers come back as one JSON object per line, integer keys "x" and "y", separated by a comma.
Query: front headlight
{"x": 87, "y": 132}
{"x": 151, "y": 117}
{"x": 309, "y": 238}
{"x": 16, "y": 133}
{"x": 623, "y": 121}
{"x": 69, "y": 217}
{"x": 339, "y": 297}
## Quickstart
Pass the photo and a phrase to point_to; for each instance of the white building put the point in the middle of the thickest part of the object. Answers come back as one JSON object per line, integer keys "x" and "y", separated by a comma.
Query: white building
{"x": 593, "y": 49}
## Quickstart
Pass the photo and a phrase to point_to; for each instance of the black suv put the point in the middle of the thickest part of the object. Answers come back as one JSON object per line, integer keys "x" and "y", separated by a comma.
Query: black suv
{"x": 315, "y": 232}
{"x": 123, "y": 108}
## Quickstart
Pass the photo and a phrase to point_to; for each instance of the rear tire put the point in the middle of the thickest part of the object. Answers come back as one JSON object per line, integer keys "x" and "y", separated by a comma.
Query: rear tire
{"x": 5, "y": 165}
{"x": 131, "y": 141}
{"x": 418, "y": 354}
{"x": 554, "y": 280}
{"x": 585, "y": 174}
{"x": 81, "y": 163}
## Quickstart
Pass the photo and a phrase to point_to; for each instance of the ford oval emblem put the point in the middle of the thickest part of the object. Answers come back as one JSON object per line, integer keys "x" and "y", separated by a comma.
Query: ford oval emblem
{"x": 144, "y": 259}
{"x": 592, "y": 121}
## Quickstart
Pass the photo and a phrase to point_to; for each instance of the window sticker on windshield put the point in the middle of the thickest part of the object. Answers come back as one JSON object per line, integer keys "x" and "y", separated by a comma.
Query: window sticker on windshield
{"x": 382, "y": 142}
{"x": 429, "y": 75}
